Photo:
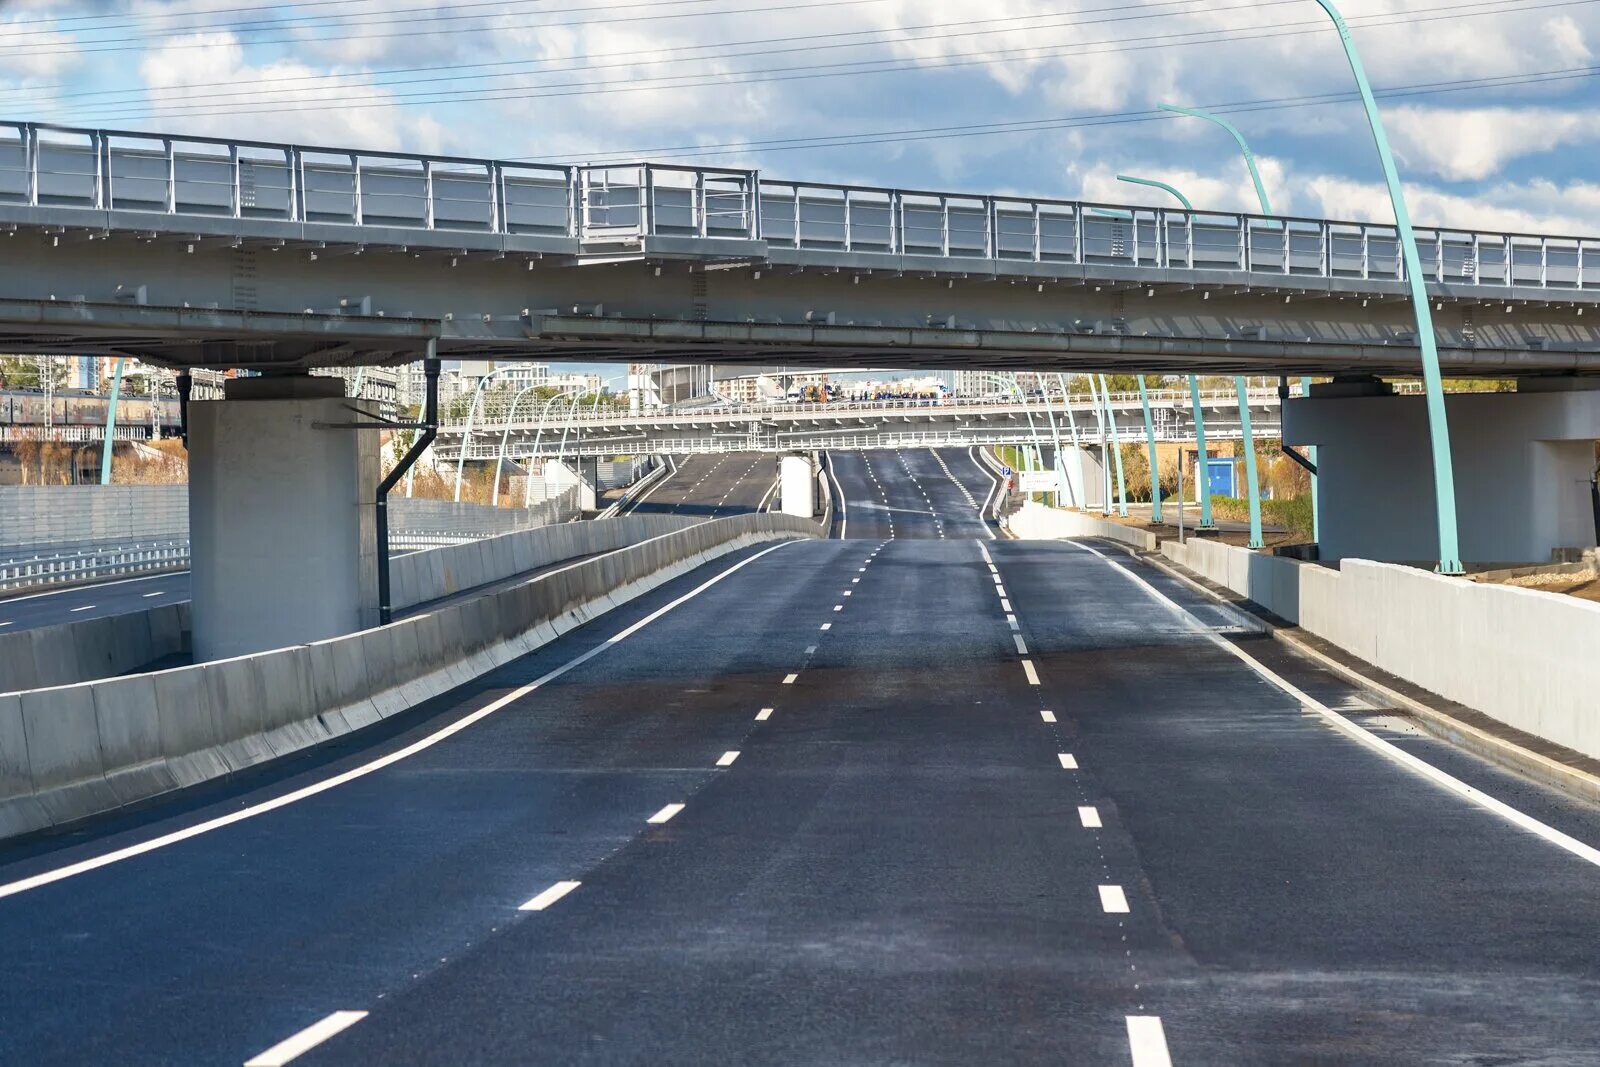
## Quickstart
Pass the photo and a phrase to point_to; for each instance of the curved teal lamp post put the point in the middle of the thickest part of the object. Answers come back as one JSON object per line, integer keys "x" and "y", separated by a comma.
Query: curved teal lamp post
{"x": 1252, "y": 476}
{"x": 1194, "y": 392}
{"x": 1116, "y": 447}
{"x": 1444, "y": 482}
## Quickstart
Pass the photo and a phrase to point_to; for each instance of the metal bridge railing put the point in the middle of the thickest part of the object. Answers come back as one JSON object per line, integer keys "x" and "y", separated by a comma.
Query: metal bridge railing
{"x": 109, "y": 170}
{"x": 92, "y": 564}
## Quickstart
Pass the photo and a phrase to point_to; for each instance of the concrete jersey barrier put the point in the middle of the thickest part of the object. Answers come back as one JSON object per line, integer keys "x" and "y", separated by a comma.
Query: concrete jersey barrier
{"x": 100, "y": 647}
{"x": 1036, "y": 522}
{"x": 419, "y": 577}
{"x": 72, "y": 751}
{"x": 1522, "y": 656}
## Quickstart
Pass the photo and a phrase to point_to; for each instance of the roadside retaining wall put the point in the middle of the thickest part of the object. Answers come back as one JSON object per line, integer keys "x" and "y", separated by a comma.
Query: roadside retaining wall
{"x": 1522, "y": 656}
{"x": 1036, "y": 522}
{"x": 72, "y": 751}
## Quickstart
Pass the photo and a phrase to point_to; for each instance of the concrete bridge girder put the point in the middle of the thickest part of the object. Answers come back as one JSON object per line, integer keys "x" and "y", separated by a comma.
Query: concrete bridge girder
{"x": 491, "y": 297}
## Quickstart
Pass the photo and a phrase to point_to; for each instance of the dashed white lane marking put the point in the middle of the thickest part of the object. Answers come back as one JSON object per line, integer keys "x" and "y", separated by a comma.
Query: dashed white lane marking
{"x": 788, "y": 679}
{"x": 849, "y": 592}
{"x": 727, "y": 759}
{"x": 998, "y": 588}
{"x": 549, "y": 896}
{"x": 763, "y": 715}
{"x": 810, "y": 649}
{"x": 1048, "y": 716}
{"x": 8, "y": 622}
{"x": 664, "y": 814}
{"x": 838, "y": 607}
{"x": 1069, "y": 762}
{"x": 1033, "y": 675}
{"x": 1090, "y": 817}
{"x": 1005, "y": 605}
{"x": 1022, "y": 647}
{"x": 1011, "y": 621}
{"x": 1148, "y": 1042}
{"x": 863, "y": 570}
{"x": 306, "y": 1040}
{"x": 1113, "y": 900}
{"x": 422, "y": 744}
{"x": 827, "y": 626}
{"x": 855, "y": 581}
{"x": 86, "y": 607}
{"x": 1587, "y": 853}
{"x": 158, "y": 592}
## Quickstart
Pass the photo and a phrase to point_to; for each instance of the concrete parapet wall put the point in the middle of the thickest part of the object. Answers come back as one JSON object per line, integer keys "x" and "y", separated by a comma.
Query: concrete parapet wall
{"x": 108, "y": 645}
{"x": 1522, "y": 656}
{"x": 1036, "y": 522}
{"x": 419, "y": 577}
{"x": 70, "y": 751}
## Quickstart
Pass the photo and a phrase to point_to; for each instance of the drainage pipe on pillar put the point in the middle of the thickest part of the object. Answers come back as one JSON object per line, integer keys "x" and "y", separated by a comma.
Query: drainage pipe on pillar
{"x": 111, "y": 421}
{"x": 1150, "y": 440}
{"x": 1116, "y": 448}
{"x": 430, "y": 428}
{"x": 1316, "y": 507}
{"x": 184, "y": 385}
{"x": 1202, "y": 463}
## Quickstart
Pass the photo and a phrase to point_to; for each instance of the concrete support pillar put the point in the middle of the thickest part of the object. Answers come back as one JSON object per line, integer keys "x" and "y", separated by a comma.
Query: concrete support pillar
{"x": 559, "y": 477}
{"x": 1522, "y": 467}
{"x": 281, "y": 517}
{"x": 798, "y": 485}
{"x": 1084, "y": 475}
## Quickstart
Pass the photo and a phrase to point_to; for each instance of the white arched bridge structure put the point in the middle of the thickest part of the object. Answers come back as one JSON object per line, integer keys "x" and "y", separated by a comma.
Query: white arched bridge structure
{"x": 499, "y": 432}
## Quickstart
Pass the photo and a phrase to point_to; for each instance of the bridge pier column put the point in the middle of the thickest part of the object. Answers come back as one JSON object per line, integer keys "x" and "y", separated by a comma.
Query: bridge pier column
{"x": 797, "y": 475}
{"x": 582, "y": 473}
{"x": 282, "y": 527}
{"x": 1084, "y": 475}
{"x": 1523, "y": 464}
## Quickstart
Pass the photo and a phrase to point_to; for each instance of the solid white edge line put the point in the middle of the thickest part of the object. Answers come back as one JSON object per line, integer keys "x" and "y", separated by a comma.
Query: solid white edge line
{"x": 727, "y": 758}
{"x": 664, "y": 814}
{"x": 1089, "y": 816}
{"x": 1048, "y": 716}
{"x": 549, "y": 896}
{"x": 118, "y": 855}
{"x": 1113, "y": 901}
{"x": 298, "y": 1044}
{"x": 1069, "y": 762}
{"x": 1472, "y": 795}
{"x": 1033, "y": 675}
{"x": 1147, "y": 1041}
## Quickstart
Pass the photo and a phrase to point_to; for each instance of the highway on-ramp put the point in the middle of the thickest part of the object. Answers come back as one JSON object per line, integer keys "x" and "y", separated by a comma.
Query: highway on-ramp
{"x": 919, "y": 801}
{"x": 711, "y": 486}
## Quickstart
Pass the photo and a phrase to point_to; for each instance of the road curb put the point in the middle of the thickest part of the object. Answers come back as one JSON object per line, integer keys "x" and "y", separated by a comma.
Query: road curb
{"x": 1498, "y": 750}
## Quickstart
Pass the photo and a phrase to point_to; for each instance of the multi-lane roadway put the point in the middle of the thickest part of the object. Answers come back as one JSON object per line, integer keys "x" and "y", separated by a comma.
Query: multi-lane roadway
{"x": 911, "y": 493}
{"x": 711, "y": 486}
{"x": 920, "y": 800}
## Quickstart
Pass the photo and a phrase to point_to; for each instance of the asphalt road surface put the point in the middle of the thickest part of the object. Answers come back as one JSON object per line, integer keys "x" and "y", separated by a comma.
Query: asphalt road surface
{"x": 712, "y": 486}
{"x": 917, "y": 801}
{"x": 91, "y": 601}
{"x": 915, "y": 493}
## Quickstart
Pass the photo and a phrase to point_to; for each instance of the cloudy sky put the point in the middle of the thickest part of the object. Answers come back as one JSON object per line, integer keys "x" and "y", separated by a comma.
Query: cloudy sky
{"x": 1491, "y": 105}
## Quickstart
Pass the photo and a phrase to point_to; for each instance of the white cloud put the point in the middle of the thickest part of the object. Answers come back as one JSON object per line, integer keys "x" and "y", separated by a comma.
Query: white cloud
{"x": 1471, "y": 144}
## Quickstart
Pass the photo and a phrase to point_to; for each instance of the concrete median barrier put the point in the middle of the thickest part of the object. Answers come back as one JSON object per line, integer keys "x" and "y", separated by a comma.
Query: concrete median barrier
{"x": 67, "y": 752}
{"x": 101, "y": 647}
